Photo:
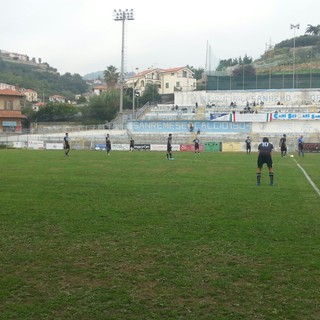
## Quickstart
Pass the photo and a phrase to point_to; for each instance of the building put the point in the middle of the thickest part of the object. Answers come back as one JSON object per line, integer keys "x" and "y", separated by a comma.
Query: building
{"x": 168, "y": 81}
{"x": 98, "y": 90}
{"x": 57, "y": 98}
{"x": 31, "y": 95}
{"x": 7, "y": 86}
{"x": 177, "y": 79}
{"x": 10, "y": 110}
{"x": 36, "y": 106}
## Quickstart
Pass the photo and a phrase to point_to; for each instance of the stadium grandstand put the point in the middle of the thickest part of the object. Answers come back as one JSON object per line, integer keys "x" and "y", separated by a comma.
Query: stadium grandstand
{"x": 220, "y": 118}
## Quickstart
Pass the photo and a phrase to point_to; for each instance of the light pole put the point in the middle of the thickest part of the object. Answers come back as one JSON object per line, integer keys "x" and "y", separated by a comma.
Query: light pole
{"x": 294, "y": 27}
{"x": 122, "y": 15}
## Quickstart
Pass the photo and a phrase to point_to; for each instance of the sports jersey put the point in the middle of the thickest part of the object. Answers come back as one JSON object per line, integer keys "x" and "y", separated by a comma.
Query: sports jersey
{"x": 283, "y": 142}
{"x": 169, "y": 141}
{"x": 66, "y": 141}
{"x": 265, "y": 147}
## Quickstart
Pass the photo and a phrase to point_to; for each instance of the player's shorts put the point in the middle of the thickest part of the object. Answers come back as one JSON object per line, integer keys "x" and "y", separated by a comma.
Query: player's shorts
{"x": 169, "y": 148}
{"x": 264, "y": 158}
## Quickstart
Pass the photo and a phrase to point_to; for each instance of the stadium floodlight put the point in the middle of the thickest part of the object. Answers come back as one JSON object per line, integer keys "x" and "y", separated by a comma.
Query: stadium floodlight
{"x": 122, "y": 15}
{"x": 294, "y": 27}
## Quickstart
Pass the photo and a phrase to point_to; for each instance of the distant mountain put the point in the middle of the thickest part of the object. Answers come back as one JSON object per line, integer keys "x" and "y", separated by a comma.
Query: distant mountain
{"x": 93, "y": 75}
{"x": 100, "y": 75}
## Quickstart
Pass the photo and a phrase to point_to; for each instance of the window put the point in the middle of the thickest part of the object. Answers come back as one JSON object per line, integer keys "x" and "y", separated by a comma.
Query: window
{"x": 167, "y": 85}
{"x": 178, "y": 84}
{"x": 9, "y": 105}
{"x": 184, "y": 74}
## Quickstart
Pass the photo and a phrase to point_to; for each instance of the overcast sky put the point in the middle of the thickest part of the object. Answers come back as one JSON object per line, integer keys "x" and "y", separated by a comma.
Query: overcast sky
{"x": 80, "y": 36}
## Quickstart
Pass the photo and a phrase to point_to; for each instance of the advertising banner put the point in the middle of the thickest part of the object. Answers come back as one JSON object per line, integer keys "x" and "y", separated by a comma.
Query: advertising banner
{"x": 184, "y": 126}
{"x": 117, "y": 147}
{"x": 190, "y": 147}
{"x": 231, "y": 146}
{"x": 35, "y": 144}
{"x": 142, "y": 147}
{"x": 18, "y": 144}
{"x": 250, "y": 117}
{"x": 296, "y": 116}
{"x": 311, "y": 147}
{"x": 54, "y": 146}
{"x": 212, "y": 146}
{"x": 163, "y": 147}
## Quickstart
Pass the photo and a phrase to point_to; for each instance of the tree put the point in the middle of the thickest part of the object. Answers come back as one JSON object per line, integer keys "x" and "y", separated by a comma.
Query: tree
{"x": 246, "y": 70}
{"x": 151, "y": 93}
{"x": 246, "y": 59}
{"x": 111, "y": 76}
{"x": 313, "y": 30}
{"x": 55, "y": 112}
{"x": 198, "y": 73}
{"x": 223, "y": 64}
{"x": 103, "y": 108}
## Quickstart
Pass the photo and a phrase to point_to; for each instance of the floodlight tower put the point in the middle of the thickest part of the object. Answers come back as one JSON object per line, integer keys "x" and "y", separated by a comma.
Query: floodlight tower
{"x": 122, "y": 15}
{"x": 294, "y": 27}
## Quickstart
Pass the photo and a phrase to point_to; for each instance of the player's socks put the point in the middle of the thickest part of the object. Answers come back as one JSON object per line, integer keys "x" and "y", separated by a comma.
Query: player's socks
{"x": 271, "y": 179}
{"x": 258, "y": 179}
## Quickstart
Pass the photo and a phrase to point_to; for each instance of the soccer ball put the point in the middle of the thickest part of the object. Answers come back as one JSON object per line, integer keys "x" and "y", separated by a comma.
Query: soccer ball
{"x": 291, "y": 155}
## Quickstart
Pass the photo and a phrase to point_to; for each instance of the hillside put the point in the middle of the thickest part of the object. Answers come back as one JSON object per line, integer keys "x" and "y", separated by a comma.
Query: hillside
{"x": 40, "y": 77}
{"x": 279, "y": 59}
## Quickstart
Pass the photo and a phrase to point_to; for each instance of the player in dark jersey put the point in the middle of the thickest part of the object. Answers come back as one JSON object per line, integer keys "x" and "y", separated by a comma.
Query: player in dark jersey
{"x": 283, "y": 145}
{"x": 248, "y": 145}
{"x": 66, "y": 144}
{"x": 169, "y": 147}
{"x": 265, "y": 148}
{"x": 196, "y": 146}
{"x": 131, "y": 147}
{"x": 108, "y": 144}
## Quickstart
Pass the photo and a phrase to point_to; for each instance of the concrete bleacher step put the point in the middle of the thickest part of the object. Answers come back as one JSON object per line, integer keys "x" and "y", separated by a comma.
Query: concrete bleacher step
{"x": 200, "y": 113}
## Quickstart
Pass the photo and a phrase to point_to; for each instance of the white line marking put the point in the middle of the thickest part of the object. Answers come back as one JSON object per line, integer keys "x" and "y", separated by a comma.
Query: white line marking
{"x": 316, "y": 189}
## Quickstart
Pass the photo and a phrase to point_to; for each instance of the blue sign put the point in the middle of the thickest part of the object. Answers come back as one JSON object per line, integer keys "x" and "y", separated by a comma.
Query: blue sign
{"x": 296, "y": 116}
{"x": 184, "y": 126}
{"x": 9, "y": 123}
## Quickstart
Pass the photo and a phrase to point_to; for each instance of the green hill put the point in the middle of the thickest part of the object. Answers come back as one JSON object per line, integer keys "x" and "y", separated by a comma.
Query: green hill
{"x": 280, "y": 57}
{"x": 40, "y": 77}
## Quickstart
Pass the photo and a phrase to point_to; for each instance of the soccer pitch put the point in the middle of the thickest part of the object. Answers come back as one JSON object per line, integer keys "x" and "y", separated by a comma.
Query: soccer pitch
{"x": 134, "y": 236}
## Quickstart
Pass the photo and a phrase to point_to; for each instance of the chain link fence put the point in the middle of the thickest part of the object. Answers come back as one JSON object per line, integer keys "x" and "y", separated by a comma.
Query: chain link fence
{"x": 267, "y": 81}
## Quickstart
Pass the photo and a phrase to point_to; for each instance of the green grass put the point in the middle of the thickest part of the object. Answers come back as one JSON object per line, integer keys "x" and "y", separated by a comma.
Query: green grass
{"x": 134, "y": 236}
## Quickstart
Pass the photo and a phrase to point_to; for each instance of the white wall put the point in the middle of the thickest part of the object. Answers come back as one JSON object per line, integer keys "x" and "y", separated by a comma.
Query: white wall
{"x": 288, "y": 97}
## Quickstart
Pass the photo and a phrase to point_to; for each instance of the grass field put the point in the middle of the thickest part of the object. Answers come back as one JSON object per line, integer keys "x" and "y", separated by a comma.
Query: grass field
{"x": 134, "y": 236}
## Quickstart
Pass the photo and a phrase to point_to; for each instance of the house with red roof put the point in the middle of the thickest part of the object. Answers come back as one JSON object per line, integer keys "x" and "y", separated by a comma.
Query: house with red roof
{"x": 98, "y": 90}
{"x": 57, "y": 98}
{"x": 10, "y": 110}
{"x": 31, "y": 95}
{"x": 168, "y": 81}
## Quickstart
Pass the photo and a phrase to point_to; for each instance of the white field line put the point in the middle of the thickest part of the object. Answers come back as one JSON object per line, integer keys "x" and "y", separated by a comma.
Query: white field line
{"x": 316, "y": 189}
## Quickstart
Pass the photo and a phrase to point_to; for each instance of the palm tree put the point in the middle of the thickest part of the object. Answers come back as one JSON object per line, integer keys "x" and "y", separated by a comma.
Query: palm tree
{"x": 111, "y": 76}
{"x": 313, "y": 30}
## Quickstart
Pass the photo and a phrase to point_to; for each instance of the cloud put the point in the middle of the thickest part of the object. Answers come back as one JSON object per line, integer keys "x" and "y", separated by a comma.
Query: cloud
{"x": 80, "y": 36}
